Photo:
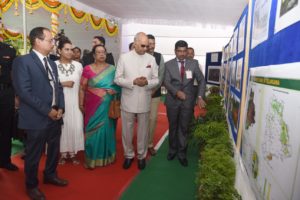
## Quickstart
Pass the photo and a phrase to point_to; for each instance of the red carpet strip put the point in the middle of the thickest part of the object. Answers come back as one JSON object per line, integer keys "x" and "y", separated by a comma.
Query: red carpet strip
{"x": 102, "y": 183}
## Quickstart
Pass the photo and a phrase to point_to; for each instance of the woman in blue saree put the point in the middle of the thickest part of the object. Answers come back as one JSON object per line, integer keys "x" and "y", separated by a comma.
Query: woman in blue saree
{"x": 96, "y": 92}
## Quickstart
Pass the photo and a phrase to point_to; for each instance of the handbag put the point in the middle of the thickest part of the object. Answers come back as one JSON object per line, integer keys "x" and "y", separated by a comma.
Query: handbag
{"x": 114, "y": 108}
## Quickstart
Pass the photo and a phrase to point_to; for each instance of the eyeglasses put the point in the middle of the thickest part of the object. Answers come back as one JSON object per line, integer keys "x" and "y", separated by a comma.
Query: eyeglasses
{"x": 50, "y": 41}
{"x": 144, "y": 46}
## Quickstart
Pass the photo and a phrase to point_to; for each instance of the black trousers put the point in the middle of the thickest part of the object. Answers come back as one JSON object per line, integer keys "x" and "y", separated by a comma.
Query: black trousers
{"x": 35, "y": 143}
{"x": 6, "y": 119}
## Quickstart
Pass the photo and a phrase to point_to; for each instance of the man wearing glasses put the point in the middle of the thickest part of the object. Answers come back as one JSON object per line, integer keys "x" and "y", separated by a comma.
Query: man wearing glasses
{"x": 35, "y": 80}
{"x": 137, "y": 74}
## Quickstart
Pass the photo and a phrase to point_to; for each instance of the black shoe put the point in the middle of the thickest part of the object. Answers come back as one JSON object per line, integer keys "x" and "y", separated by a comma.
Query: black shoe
{"x": 23, "y": 156}
{"x": 171, "y": 156}
{"x": 127, "y": 163}
{"x": 35, "y": 194}
{"x": 10, "y": 167}
{"x": 56, "y": 181}
{"x": 141, "y": 164}
{"x": 183, "y": 162}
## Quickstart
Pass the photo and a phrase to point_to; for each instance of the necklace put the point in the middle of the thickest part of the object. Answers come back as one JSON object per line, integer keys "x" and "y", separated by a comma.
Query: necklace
{"x": 66, "y": 71}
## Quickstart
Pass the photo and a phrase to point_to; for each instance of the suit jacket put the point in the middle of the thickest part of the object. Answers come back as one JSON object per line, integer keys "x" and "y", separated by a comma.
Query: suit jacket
{"x": 173, "y": 82}
{"x": 89, "y": 59}
{"x": 32, "y": 85}
{"x": 131, "y": 65}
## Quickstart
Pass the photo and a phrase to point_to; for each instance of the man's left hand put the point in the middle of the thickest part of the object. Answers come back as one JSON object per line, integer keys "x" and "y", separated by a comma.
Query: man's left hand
{"x": 59, "y": 114}
{"x": 201, "y": 102}
{"x": 144, "y": 81}
{"x": 17, "y": 102}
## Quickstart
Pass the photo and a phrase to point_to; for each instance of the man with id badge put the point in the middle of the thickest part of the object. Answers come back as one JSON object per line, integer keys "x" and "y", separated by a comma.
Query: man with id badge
{"x": 180, "y": 73}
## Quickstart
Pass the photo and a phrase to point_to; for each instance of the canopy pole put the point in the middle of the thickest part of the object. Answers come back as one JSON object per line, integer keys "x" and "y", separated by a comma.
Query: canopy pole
{"x": 24, "y": 27}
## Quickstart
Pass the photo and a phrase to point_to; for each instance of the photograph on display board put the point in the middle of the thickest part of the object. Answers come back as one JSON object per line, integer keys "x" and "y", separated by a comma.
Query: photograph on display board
{"x": 222, "y": 86}
{"x": 234, "y": 110}
{"x": 213, "y": 74}
{"x": 271, "y": 133}
{"x": 223, "y": 70}
{"x": 228, "y": 53}
{"x": 238, "y": 77}
{"x": 241, "y": 38}
{"x": 228, "y": 92}
{"x": 287, "y": 14}
{"x": 261, "y": 18}
{"x": 230, "y": 49}
{"x": 232, "y": 72}
{"x": 225, "y": 55}
{"x": 287, "y": 5}
{"x": 227, "y": 71}
{"x": 222, "y": 77}
{"x": 226, "y": 84}
{"x": 234, "y": 43}
{"x": 250, "y": 116}
{"x": 214, "y": 57}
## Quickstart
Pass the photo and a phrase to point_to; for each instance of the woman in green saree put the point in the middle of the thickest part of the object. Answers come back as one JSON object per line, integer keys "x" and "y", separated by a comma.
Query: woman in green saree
{"x": 96, "y": 92}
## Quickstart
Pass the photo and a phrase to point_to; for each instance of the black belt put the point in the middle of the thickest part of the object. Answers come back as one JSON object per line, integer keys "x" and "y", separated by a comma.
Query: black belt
{"x": 5, "y": 86}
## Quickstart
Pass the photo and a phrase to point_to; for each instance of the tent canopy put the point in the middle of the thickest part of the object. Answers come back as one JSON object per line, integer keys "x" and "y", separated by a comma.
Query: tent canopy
{"x": 221, "y": 12}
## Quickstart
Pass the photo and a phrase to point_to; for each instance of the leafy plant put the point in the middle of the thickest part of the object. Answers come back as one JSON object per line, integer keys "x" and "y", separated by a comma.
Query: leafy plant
{"x": 216, "y": 175}
{"x": 206, "y": 131}
{"x": 214, "y": 90}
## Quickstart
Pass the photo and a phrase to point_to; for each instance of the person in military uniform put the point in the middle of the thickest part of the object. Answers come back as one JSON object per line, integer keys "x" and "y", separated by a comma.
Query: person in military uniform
{"x": 7, "y": 105}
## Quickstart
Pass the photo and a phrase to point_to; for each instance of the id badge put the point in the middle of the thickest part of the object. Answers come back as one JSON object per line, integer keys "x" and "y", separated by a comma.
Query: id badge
{"x": 188, "y": 74}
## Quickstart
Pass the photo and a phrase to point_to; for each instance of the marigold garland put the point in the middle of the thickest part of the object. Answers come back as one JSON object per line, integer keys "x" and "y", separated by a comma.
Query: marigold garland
{"x": 77, "y": 15}
{"x": 54, "y": 6}
{"x": 96, "y": 22}
{"x": 12, "y": 35}
{"x": 6, "y": 4}
{"x": 110, "y": 30}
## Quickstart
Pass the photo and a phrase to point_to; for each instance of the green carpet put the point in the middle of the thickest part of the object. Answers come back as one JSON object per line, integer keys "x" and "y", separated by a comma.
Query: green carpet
{"x": 165, "y": 180}
{"x": 16, "y": 147}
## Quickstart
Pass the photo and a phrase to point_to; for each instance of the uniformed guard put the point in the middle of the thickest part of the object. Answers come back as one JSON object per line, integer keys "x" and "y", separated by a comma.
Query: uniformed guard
{"x": 7, "y": 105}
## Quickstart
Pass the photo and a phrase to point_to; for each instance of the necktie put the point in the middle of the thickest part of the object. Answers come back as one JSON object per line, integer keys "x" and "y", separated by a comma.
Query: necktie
{"x": 182, "y": 70}
{"x": 51, "y": 78}
{"x": 47, "y": 69}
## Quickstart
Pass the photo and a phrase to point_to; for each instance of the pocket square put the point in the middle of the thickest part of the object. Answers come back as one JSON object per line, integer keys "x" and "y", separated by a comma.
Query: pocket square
{"x": 148, "y": 66}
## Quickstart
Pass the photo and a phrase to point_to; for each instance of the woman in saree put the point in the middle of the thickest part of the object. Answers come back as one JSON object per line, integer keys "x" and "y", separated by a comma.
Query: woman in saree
{"x": 95, "y": 94}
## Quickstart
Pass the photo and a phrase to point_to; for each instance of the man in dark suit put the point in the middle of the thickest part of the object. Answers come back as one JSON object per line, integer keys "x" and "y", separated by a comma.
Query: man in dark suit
{"x": 89, "y": 58}
{"x": 180, "y": 73}
{"x": 41, "y": 96}
{"x": 7, "y": 105}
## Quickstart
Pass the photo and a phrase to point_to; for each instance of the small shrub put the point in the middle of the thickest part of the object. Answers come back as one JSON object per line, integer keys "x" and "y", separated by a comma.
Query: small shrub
{"x": 216, "y": 175}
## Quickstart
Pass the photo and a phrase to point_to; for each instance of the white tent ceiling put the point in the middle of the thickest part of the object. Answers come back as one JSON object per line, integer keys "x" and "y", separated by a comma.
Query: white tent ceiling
{"x": 221, "y": 12}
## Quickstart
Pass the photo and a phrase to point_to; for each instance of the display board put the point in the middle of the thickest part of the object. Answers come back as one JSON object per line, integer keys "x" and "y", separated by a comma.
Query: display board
{"x": 213, "y": 68}
{"x": 231, "y": 73}
{"x": 270, "y": 137}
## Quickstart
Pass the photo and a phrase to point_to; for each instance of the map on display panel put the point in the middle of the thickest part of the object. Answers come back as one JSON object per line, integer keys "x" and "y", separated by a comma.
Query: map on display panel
{"x": 271, "y": 136}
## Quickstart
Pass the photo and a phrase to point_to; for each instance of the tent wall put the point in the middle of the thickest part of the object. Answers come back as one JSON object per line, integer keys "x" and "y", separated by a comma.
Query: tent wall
{"x": 202, "y": 38}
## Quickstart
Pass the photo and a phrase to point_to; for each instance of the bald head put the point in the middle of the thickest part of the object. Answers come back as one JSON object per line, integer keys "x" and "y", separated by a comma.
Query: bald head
{"x": 141, "y": 43}
{"x": 140, "y": 36}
